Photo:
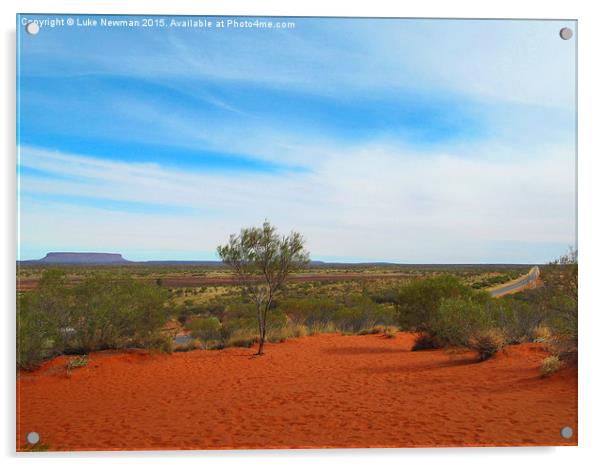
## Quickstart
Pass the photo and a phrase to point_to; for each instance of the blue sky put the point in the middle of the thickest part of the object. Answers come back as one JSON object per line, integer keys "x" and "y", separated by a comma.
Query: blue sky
{"x": 393, "y": 140}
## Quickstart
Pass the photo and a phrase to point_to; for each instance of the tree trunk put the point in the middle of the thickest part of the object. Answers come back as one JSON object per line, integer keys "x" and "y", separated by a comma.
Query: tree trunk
{"x": 263, "y": 326}
{"x": 260, "y": 326}
{"x": 261, "y": 336}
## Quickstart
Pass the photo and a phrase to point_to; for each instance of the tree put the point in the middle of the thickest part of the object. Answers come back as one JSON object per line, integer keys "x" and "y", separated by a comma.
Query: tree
{"x": 262, "y": 261}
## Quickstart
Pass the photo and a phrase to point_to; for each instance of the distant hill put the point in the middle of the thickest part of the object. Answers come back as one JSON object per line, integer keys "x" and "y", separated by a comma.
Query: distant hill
{"x": 83, "y": 258}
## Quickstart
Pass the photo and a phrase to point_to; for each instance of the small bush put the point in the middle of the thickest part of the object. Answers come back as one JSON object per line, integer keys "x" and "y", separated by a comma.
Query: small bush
{"x": 297, "y": 331}
{"x": 470, "y": 323}
{"x": 241, "y": 342}
{"x": 459, "y": 319}
{"x": 240, "y": 317}
{"x": 206, "y": 329}
{"x": 563, "y": 348}
{"x": 277, "y": 335}
{"x": 550, "y": 365}
{"x": 559, "y": 296}
{"x": 77, "y": 361}
{"x": 190, "y": 345}
{"x": 425, "y": 341}
{"x": 328, "y": 327}
{"x": 487, "y": 342}
{"x": 109, "y": 312}
{"x": 353, "y": 314}
{"x": 161, "y": 343}
{"x": 35, "y": 333}
{"x": 372, "y": 331}
{"x": 417, "y": 303}
{"x": 389, "y": 331}
{"x": 517, "y": 319}
{"x": 541, "y": 334}
{"x": 310, "y": 312}
{"x": 244, "y": 338}
{"x": 284, "y": 333}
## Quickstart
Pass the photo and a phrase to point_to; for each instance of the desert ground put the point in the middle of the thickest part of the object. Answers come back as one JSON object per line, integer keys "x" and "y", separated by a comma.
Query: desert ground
{"x": 325, "y": 390}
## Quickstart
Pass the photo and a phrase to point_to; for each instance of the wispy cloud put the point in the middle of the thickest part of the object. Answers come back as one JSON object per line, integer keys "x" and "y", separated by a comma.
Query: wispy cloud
{"x": 375, "y": 202}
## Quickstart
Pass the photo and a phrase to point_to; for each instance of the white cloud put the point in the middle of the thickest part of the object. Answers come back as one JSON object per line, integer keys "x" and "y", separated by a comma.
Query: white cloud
{"x": 374, "y": 202}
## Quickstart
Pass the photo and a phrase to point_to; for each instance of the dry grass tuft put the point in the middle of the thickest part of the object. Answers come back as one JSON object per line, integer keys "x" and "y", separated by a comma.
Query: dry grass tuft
{"x": 425, "y": 341}
{"x": 487, "y": 343}
{"x": 541, "y": 334}
{"x": 550, "y": 365}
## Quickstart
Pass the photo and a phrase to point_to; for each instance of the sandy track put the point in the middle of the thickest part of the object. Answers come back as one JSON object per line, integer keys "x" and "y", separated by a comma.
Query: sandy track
{"x": 318, "y": 391}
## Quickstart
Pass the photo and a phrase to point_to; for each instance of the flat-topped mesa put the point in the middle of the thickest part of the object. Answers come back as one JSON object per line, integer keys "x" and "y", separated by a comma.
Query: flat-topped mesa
{"x": 83, "y": 258}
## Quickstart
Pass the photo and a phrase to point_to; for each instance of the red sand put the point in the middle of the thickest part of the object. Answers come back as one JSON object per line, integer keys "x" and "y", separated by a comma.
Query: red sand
{"x": 318, "y": 391}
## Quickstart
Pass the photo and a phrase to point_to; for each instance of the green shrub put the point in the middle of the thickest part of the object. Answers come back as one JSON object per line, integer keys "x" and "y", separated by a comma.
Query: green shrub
{"x": 115, "y": 313}
{"x": 563, "y": 322}
{"x": 354, "y": 319}
{"x": 276, "y": 335}
{"x": 158, "y": 342}
{"x": 242, "y": 338}
{"x": 469, "y": 323}
{"x": 296, "y": 330}
{"x": 310, "y": 312}
{"x": 354, "y": 315}
{"x": 43, "y": 320}
{"x": 36, "y": 333}
{"x": 206, "y": 329}
{"x": 417, "y": 303}
{"x": 495, "y": 280}
{"x": 242, "y": 318}
{"x": 559, "y": 297}
{"x": 517, "y": 319}
{"x": 53, "y": 300}
{"x": 327, "y": 327}
{"x": 459, "y": 319}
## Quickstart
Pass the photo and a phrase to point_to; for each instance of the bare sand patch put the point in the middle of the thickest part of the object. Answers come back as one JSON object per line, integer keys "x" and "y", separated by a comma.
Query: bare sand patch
{"x": 311, "y": 392}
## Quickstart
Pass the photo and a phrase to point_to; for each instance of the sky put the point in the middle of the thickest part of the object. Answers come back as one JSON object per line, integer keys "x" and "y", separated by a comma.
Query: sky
{"x": 398, "y": 140}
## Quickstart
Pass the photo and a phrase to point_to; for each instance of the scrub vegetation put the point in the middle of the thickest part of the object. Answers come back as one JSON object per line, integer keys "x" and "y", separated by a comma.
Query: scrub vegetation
{"x": 79, "y": 309}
